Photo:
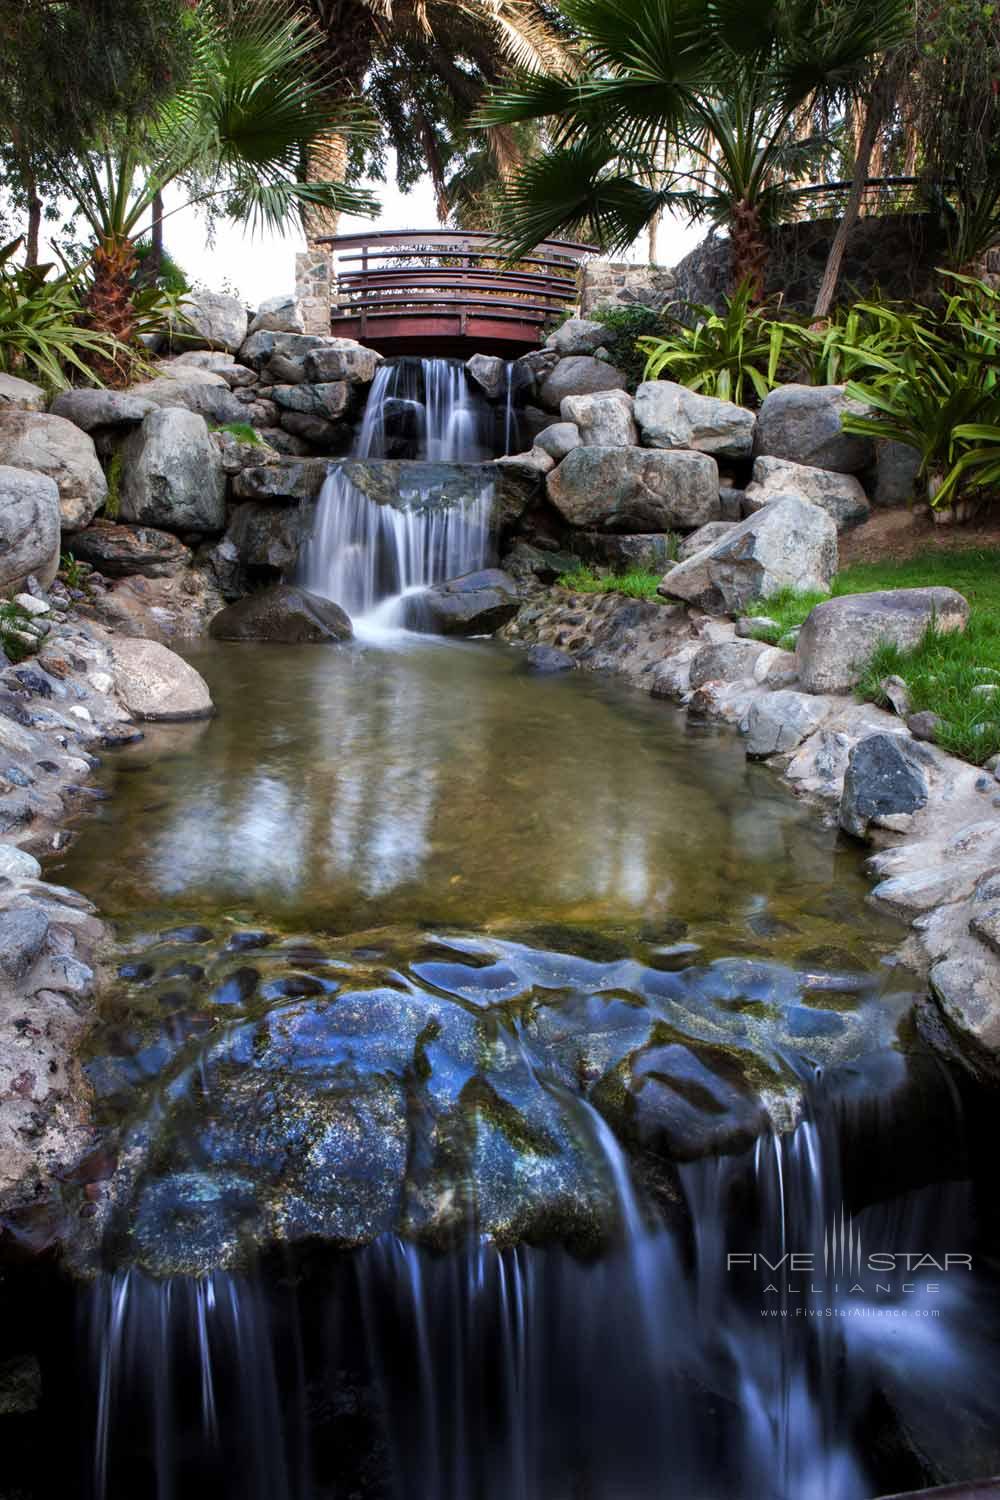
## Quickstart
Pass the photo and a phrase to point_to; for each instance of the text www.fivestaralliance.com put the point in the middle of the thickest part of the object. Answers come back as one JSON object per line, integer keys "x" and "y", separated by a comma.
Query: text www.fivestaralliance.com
{"x": 850, "y": 1312}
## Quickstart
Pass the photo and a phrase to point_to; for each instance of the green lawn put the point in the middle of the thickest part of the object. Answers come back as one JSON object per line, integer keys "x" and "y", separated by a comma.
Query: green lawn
{"x": 637, "y": 584}
{"x": 944, "y": 671}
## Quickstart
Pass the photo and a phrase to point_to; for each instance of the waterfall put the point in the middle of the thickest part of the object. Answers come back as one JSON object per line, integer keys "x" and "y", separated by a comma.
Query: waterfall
{"x": 658, "y": 1370}
{"x": 365, "y": 555}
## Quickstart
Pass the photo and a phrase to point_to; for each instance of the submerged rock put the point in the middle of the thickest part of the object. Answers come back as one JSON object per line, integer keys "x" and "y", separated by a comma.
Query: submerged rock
{"x": 475, "y": 604}
{"x": 544, "y": 660}
{"x": 283, "y": 613}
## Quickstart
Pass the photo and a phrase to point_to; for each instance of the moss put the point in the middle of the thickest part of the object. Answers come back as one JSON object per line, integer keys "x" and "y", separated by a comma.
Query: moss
{"x": 113, "y": 504}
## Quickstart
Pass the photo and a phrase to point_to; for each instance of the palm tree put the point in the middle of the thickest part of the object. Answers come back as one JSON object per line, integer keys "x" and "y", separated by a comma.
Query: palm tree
{"x": 234, "y": 137}
{"x": 718, "y": 85}
{"x": 423, "y": 66}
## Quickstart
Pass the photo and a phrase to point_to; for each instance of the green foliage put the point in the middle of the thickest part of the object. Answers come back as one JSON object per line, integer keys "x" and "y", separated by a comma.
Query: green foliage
{"x": 41, "y": 336}
{"x": 244, "y": 432}
{"x": 628, "y": 325}
{"x": 636, "y": 583}
{"x": 734, "y": 355}
{"x": 169, "y": 276}
{"x": 13, "y": 620}
{"x": 113, "y": 474}
{"x": 71, "y": 572}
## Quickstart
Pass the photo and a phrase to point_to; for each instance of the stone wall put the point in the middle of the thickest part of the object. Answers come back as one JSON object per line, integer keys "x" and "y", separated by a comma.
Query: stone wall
{"x": 608, "y": 283}
{"x": 315, "y": 287}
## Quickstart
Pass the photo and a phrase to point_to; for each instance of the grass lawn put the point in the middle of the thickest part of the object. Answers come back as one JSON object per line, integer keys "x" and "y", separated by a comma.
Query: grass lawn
{"x": 637, "y": 583}
{"x": 949, "y": 674}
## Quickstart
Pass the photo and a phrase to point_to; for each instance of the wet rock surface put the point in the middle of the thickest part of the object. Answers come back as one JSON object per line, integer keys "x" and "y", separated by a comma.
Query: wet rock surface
{"x": 285, "y": 614}
{"x": 475, "y": 604}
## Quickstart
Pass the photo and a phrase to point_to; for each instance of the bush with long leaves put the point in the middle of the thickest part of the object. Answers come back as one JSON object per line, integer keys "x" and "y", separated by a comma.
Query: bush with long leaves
{"x": 42, "y": 336}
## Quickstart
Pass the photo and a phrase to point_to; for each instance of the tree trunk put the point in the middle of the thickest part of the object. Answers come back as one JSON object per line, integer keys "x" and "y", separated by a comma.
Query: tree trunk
{"x": 852, "y": 208}
{"x": 155, "y": 261}
{"x": 29, "y": 182}
{"x": 110, "y": 306}
{"x": 327, "y": 163}
{"x": 748, "y": 251}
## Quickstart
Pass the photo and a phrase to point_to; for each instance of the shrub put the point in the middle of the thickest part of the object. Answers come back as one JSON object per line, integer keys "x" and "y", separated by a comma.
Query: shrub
{"x": 41, "y": 335}
{"x": 629, "y": 325}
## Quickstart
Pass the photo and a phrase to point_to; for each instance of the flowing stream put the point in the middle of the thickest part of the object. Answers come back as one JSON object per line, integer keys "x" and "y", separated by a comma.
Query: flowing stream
{"x": 508, "y": 1095}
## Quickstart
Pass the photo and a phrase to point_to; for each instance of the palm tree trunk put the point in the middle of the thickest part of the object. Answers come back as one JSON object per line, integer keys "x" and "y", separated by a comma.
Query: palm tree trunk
{"x": 327, "y": 163}
{"x": 110, "y": 307}
{"x": 852, "y": 208}
{"x": 748, "y": 251}
{"x": 156, "y": 239}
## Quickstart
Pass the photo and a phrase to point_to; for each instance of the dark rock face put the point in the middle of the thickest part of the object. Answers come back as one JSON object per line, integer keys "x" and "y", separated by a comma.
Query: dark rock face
{"x": 544, "y": 660}
{"x": 282, "y": 614}
{"x": 409, "y": 484}
{"x": 475, "y": 604}
{"x": 649, "y": 551}
{"x": 884, "y": 778}
{"x": 121, "y": 551}
{"x": 291, "y": 480}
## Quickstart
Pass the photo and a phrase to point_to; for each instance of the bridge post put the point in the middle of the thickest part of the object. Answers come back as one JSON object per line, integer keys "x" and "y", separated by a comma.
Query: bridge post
{"x": 315, "y": 287}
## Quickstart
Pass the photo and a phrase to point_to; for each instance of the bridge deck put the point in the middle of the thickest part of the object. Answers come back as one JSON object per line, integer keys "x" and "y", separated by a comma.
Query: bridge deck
{"x": 449, "y": 292}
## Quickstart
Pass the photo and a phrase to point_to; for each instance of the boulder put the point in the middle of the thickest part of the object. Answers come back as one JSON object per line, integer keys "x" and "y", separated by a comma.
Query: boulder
{"x": 558, "y": 439}
{"x": 213, "y": 320}
{"x": 579, "y": 375}
{"x": 88, "y": 409}
{"x": 155, "y": 683}
{"x": 966, "y": 989}
{"x": 635, "y": 489}
{"x": 780, "y": 721}
{"x": 328, "y": 399}
{"x": 23, "y": 395}
{"x": 120, "y": 551}
{"x": 579, "y": 336}
{"x": 489, "y": 372}
{"x": 318, "y": 432}
{"x": 412, "y": 484}
{"x": 801, "y": 423}
{"x": 839, "y": 635}
{"x": 54, "y": 447}
{"x": 261, "y": 346}
{"x": 841, "y": 495}
{"x": 895, "y": 479}
{"x": 725, "y": 661}
{"x": 884, "y": 778}
{"x": 285, "y": 614}
{"x": 475, "y": 604}
{"x": 192, "y": 389}
{"x": 535, "y": 462}
{"x": 263, "y": 542}
{"x": 524, "y": 562}
{"x": 291, "y": 480}
{"x": 671, "y": 416}
{"x": 603, "y": 420}
{"x": 789, "y": 544}
{"x": 649, "y": 551}
{"x": 342, "y": 360}
{"x": 705, "y": 536}
{"x": 172, "y": 474}
{"x": 278, "y": 315}
{"x": 546, "y": 660}
{"x": 29, "y": 529}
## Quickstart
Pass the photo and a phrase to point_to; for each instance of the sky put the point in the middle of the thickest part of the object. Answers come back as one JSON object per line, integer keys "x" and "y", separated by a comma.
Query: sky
{"x": 264, "y": 266}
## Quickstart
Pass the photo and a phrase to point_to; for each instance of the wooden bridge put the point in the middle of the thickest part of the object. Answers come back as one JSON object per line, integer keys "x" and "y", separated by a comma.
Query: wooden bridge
{"x": 449, "y": 292}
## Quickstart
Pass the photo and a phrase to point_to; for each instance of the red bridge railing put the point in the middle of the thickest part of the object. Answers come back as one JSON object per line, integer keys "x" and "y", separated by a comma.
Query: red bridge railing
{"x": 437, "y": 291}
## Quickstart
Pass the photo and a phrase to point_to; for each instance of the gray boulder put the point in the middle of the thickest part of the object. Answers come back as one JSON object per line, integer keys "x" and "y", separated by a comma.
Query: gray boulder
{"x": 579, "y": 375}
{"x": 884, "y": 778}
{"x": 328, "y": 399}
{"x": 120, "y": 551}
{"x": 558, "y": 439}
{"x": 21, "y": 394}
{"x": 841, "y": 495}
{"x": 579, "y": 336}
{"x": 277, "y": 315}
{"x": 155, "y": 683}
{"x": 635, "y": 489}
{"x": 342, "y": 359}
{"x": 88, "y": 409}
{"x": 725, "y": 661}
{"x": 802, "y": 423}
{"x": 779, "y": 722}
{"x": 265, "y": 343}
{"x": 603, "y": 420}
{"x": 524, "y": 563}
{"x": 52, "y": 446}
{"x": 704, "y": 537}
{"x": 212, "y": 320}
{"x": 671, "y": 416}
{"x": 489, "y": 372}
{"x": 839, "y": 635}
{"x": 895, "y": 480}
{"x": 789, "y": 544}
{"x": 284, "y": 614}
{"x": 536, "y": 462}
{"x": 172, "y": 474}
{"x": 649, "y": 551}
{"x": 29, "y": 528}
{"x": 194, "y": 389}
{"x": 475, "y": 604}
{"x": 546, "y": 660}
{"x": 530, "y": 372}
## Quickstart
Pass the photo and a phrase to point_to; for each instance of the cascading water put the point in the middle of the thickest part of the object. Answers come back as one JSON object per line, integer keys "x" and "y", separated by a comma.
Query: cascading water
{"x": 364, "y": 554}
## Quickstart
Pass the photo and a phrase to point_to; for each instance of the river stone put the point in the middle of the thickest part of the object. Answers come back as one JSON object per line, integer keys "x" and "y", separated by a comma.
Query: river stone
{"x": 635, "y": 489}
{"x": 579, "y": 375}
{"x": 780, "y": 721}
{"x": 966, "y": 988}
{"x": 155, "y": 683}
{"x": 883, "y": 778}
{"x": 18, "y": 864}
{"x": 291, "y": 480}
{"x": 29, "y": 528}
{"x": 489, "y": 372}
{"x": 342, "y": 359}
{"x": 172, "y": 474}
{"x": 648, "y": 551}
{"x": 544, "y": 660}
{"x": 88, "y": 409}
{"x": 120, "y": 551}
{"x": 21, "y": 394}
{"x": 603, "y": 420}
{"x": 840, "y": 494}
{"x": 789, "y": 544}
{"x": 52, "y": 446}
{"x": 22, "y": 937}
{"x": 475, "y": 604}
{"x": 705, "y": 536}
{"x": 282, "y": 613}
{"x": 671, "y": 416}
{"x": 685, "y": 1106}
{"x": 839, "y": 635}
{"x": 579, "y": 336}
{"x": 558, "y": 439}
{"x": 801, "y": 423}
{"x": 725, "y": 661}
{"x": 211, "y": 319}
